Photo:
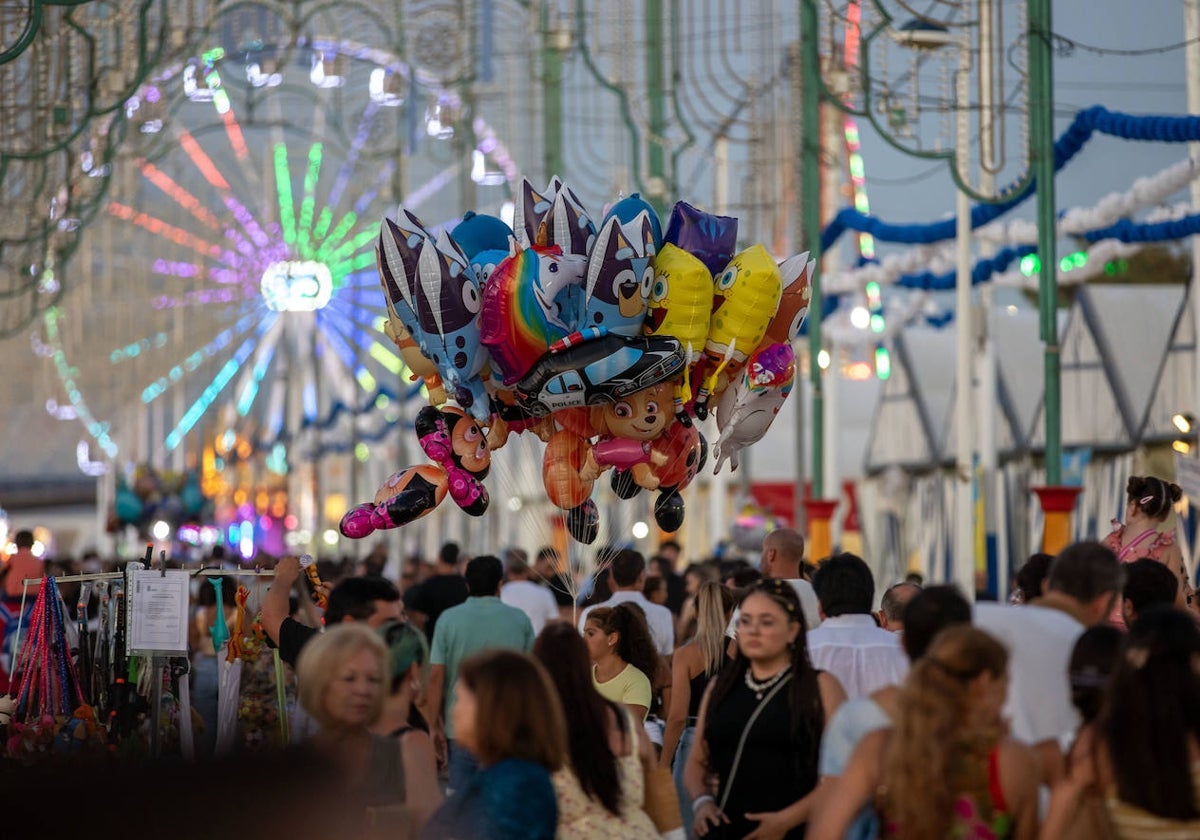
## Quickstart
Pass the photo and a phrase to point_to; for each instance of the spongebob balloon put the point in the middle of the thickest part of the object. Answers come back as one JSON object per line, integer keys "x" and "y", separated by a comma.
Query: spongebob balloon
{"x": 620, "y": 273}
{"x": 680, "y": 306}
{"x": 745, "y": 298}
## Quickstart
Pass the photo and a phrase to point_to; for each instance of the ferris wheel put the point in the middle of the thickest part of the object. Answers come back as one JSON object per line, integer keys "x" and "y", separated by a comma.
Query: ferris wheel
{"x": 236, "y": 257}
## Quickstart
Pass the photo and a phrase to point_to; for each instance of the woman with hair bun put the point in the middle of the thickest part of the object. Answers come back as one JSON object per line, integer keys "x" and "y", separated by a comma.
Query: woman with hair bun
{"x": 1150, "y": 501}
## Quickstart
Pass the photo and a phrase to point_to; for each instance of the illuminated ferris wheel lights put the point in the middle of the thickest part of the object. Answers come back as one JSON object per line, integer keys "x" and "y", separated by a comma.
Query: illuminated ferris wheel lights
{"x": 296, "y": 286}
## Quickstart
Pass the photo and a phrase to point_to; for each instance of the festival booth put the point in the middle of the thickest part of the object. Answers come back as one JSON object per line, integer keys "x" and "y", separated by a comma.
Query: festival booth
{"x": 1127, "y": 369}
{"x": 118, "y": 679}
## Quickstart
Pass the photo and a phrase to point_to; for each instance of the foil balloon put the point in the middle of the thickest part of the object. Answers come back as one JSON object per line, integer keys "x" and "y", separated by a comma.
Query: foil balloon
{"x": 449, "y": 317}
{"x": 583, "y": 522}
{"x": 529, "y": 209}
{"x": 580, "y": 371}
{"x": 484, "y": 263}
{"x": 745, "y": 297}
{"x": 632, "y": 206}
{"x": 419, "y": 365}
{"x": 561, "y": 464}
{"x": 480, "y": 232}
{"x": 711, "y": 239}
{"x": 620, "y": 274}
{"x": 432, "y": 292}
{"x": 626, "y": 428}
{"x": 749, "y": 405}
{"x": 457, "y": 445}
{"x": 680, "y": 306}
{"x": 796, "y": 276}
{"x": 522, "y": 313}
{"x": 567, "y": 225}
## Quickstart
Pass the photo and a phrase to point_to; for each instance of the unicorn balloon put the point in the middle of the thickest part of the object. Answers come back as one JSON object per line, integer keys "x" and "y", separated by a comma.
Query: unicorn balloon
{"x": 523, "y": 303}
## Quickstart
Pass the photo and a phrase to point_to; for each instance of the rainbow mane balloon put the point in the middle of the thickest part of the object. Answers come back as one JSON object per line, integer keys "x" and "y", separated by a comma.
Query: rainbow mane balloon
{"x": 520, "y": 318}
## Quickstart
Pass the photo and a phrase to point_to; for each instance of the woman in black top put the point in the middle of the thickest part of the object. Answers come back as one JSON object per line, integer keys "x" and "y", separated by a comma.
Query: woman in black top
{"x": 760, "y": 725}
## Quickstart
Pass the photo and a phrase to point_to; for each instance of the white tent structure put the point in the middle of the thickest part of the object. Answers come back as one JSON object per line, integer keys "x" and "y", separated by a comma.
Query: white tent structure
{"x": 1128, "y": 366}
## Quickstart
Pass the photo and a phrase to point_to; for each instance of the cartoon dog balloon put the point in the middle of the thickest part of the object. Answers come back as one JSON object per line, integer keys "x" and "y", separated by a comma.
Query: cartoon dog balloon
{"x": 457, "y": 445}
{"x": 619, "y": 276}
{"x": 433, "y": 292}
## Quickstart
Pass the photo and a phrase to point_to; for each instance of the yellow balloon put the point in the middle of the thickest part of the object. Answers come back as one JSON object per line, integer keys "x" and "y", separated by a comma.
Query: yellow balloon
{"x": 745, "y": 297}
{"x": 680, "y": 300}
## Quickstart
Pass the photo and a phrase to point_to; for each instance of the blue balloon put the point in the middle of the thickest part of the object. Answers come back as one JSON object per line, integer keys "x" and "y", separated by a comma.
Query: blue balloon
{"x": 479, "y": 232}
{"x": 627, "y": 209}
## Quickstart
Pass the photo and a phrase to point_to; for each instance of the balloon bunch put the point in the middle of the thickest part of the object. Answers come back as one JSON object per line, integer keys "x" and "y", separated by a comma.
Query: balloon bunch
{"x": 603, "y": 340}
{"x": 174, "y": 497}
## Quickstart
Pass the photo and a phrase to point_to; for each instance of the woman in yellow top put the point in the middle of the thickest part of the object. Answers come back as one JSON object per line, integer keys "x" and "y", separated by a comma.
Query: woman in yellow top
{"x": 623, "y": 656}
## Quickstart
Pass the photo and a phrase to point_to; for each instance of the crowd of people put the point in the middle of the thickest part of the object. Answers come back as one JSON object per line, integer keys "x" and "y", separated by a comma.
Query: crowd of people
{"x": 783, "y": 699}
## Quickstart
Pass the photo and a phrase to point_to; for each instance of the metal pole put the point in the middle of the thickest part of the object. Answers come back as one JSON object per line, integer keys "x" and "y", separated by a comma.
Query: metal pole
{"x": 799, "y": 514}
{"x": 963, "y": 562}
{"x": 1191, "y": 17}
{"x": 552, "y": 160}
{"x": 654, "y": 93}
{"x": 810, "y": 203}
{"x": 1041, "y": 154}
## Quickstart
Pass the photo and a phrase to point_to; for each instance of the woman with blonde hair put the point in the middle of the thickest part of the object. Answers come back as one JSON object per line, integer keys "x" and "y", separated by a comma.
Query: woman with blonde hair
{"x": 693, "y": 666}
{"x": 947, "y": 769}
{"x": 342, "y": 675}
{"x": 508, "y": 715}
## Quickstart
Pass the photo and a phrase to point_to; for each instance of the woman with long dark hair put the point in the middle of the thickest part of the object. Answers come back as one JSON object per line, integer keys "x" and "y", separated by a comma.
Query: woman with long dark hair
{"x": 624, "y": 659}
{"x": 1146, "y": 748}
{"x": 600, "y": 793}
{"x": 946, "y": 769}
{"x": 760, "y": 725}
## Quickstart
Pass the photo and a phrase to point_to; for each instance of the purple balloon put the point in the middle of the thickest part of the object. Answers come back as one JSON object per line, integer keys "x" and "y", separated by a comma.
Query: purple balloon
{"x": 711, "y": 239}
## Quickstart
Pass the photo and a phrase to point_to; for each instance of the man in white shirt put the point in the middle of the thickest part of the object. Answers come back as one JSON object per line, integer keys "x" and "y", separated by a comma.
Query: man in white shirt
{"x": 627, "y": 574}
{"x": 848, "y": 643}
{"x": 782, "y": 555}
{"x": 523, "y": 592}
{"x": 1081, "y": 588}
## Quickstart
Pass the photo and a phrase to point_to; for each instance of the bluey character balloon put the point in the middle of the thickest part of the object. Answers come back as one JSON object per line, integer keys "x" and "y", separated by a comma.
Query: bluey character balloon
{"x": 567, "y": 225}
{"x": 449, "y": 316}
{"x": 632, "y": 206}
{"x": 796, "y": 275}
{"x": 398, "y": 256}
{"x": 480, "y": 232}
{"x": 745, "y": 298}
{"x": 619, "y": 277}
{"x": 749, "y": 405}
{"x": 531, "y": 205}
